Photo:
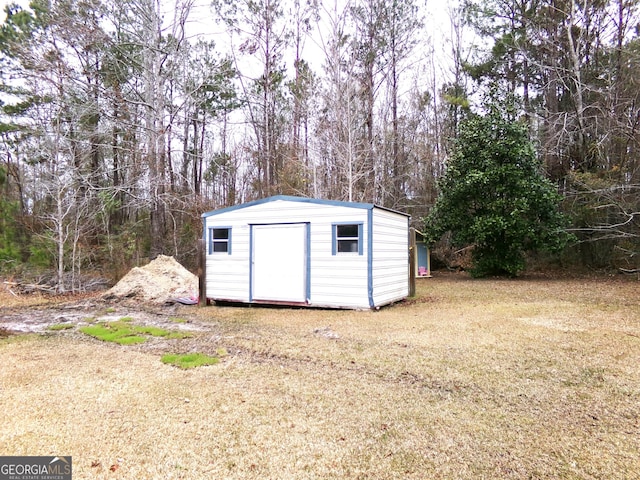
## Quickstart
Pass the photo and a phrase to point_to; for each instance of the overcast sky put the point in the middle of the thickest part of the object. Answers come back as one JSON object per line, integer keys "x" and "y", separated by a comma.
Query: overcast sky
{"x": 437, "y": 11}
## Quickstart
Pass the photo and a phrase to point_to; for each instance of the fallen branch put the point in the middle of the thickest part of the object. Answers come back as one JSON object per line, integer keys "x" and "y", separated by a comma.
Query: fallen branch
{"x": 29, "y": 287}
{"x": 48, "y": 285}
{"x": 8, "y": 289}
{"x": 630, "y": 271}
{"x": 35, "y": 287}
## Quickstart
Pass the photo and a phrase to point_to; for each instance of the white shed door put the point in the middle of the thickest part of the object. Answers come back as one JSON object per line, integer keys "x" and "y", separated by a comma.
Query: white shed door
{"x": 279, "y": 262}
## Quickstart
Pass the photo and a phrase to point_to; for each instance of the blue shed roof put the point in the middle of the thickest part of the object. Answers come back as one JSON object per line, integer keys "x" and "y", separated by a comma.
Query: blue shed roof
{"x": 290, "y": 198}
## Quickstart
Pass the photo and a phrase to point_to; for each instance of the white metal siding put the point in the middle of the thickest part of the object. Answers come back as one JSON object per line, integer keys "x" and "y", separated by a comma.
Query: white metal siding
{"x": 335, "y": 280}
{"x": 390, "y": 264}
{"x": 227, "y": 276}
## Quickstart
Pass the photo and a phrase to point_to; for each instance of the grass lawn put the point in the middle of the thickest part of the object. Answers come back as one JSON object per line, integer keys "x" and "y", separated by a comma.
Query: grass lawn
{"x": 506, "y": 379}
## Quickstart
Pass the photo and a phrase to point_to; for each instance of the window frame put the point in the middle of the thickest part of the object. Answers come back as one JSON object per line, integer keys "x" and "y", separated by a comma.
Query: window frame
{"x": 336, "y": 238}
{"x": 213, "y": 241}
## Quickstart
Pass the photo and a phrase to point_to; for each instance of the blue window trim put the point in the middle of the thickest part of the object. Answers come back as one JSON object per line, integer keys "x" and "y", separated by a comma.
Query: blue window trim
{"x": 229, "y": 243}
{"x": 334, "y": 237}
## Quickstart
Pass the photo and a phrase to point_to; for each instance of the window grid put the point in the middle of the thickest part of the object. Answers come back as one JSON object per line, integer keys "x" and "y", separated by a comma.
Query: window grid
{"x": 347, "y": 238}
{"x": 220, "y": 240}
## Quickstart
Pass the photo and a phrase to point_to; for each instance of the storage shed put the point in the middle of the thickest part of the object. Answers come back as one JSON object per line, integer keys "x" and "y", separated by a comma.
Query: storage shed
{"x": 302, "y": 251}
{"x": 422, "y": 257}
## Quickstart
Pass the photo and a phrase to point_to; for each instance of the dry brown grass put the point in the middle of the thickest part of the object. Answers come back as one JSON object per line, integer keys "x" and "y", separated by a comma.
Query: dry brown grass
{"x": 473, "y": 379}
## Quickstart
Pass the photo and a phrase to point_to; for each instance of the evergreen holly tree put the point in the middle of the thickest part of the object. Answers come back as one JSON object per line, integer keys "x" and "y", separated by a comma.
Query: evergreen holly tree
{"x": 495, "y": 197}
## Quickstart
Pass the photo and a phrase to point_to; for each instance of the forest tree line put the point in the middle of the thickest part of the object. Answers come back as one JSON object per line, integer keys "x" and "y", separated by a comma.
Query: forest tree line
{"x": 120, "y": 126}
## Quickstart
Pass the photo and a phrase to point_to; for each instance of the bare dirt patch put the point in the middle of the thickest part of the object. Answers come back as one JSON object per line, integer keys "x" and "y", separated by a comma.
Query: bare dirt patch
{"x": 473, "y": 381}
{"x": 145, "y": 293}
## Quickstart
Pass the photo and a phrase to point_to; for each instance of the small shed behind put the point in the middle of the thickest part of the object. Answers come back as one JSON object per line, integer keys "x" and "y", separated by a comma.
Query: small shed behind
{"x": 422, "y": 257}
{"x": 301, "y": 251}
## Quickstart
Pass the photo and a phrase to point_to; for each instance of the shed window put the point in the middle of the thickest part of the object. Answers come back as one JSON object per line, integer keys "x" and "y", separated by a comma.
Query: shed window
{"x": 347, "y": 238}
{"x": 220, "y": 240}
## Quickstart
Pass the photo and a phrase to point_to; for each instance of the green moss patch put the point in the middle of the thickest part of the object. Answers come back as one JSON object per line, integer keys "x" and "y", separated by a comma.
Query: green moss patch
{"x": 124, "y": 333}
{"x": 113, "y": 332}
{"x": 189, "y": 360}
{"x": 60, "y": 326}
{"x": 130, "y": 340}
